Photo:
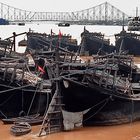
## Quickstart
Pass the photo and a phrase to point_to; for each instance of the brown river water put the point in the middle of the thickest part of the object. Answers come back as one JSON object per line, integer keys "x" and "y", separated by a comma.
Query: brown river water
{"x": 129, "y": 131}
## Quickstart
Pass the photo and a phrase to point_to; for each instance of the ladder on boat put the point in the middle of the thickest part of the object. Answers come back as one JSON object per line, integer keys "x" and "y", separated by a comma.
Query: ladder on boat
{"x": 52, "y": 121}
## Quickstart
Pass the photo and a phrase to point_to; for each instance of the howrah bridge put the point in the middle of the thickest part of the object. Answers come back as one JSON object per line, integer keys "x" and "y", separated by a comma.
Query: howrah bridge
{"x": 104, "y": 13}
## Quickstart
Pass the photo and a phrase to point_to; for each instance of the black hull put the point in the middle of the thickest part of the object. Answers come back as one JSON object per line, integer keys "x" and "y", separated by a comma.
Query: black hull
{"x": 95, "y": 45}
{"x": 116, "y": 111}
{"x": 40, "y": 42}
{"x": 107, "y": 108}
{"x": 130, "y": 45}
{"x": 17, "y": 102}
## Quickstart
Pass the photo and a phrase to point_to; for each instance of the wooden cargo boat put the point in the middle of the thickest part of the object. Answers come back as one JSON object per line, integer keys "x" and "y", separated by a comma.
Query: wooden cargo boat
{"x": 94, "y": 43}
{"x": 45, "y": 42}
{"x": 21, "y": 92}
{"x": 129, "y": 42}
{"x": 111, "y": 98}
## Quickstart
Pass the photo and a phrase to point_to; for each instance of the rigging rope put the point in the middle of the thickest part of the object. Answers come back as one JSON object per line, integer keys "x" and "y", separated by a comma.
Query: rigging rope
{"x": 8, "y": 90}
{"x": 32, "y": 100}
{"x": 3, "y": 114}
{"x": 107, "y": 100}
{"x": 4, "y": 102}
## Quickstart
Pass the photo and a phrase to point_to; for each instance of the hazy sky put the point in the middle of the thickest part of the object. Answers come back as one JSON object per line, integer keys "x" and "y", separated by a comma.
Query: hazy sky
{"x": 128, "y": 6}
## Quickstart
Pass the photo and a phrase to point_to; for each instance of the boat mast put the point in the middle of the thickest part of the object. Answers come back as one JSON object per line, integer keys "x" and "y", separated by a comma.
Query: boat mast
{"x": 123, "y": 23}
{"x": 136, "y": 11}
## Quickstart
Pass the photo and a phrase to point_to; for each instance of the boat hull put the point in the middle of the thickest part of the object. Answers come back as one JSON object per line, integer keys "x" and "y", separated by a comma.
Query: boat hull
{"x": 95, "y": 45}
{"x": 40, "y": 42}
{"x": 106, "y": 108}
{"x": 130, "y": 44}
{"x": 18, "y": 102}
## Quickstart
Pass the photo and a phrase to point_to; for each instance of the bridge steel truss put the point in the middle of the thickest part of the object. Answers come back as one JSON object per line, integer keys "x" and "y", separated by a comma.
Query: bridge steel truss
{"x": 103, "y": 13}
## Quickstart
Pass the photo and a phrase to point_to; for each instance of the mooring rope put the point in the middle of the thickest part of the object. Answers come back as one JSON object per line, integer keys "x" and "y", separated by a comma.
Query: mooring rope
{"x": 5, "y": 101}
{"x": 32, "y": 100}
{"x": 3, "y": 114}
{"x": 107, "y": 99}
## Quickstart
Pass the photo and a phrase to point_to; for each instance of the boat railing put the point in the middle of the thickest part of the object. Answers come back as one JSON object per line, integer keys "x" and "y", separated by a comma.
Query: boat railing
{"x": 110, "y": 78}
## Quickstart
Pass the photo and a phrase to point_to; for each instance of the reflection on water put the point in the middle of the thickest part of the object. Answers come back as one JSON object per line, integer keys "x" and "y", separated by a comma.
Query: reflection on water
{"x": 119, "y": 132}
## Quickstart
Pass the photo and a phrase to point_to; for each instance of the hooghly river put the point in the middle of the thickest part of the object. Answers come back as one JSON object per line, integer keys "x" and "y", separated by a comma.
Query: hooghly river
{"x": 129, "y": 131}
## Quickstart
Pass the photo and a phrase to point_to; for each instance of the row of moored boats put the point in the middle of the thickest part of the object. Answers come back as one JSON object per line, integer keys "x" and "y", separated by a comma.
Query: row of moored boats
{"x": 104, "y": 88}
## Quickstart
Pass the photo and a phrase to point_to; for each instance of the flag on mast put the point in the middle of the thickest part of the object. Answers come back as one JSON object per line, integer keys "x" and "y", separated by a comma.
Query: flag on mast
{"x": 59, "y": 38}
{"x": 41, "y": 69}
{"x": 60, "y": 35}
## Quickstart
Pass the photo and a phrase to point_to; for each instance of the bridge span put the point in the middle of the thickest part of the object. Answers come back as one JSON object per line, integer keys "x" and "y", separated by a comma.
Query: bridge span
{"x": 104, "y": 13}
